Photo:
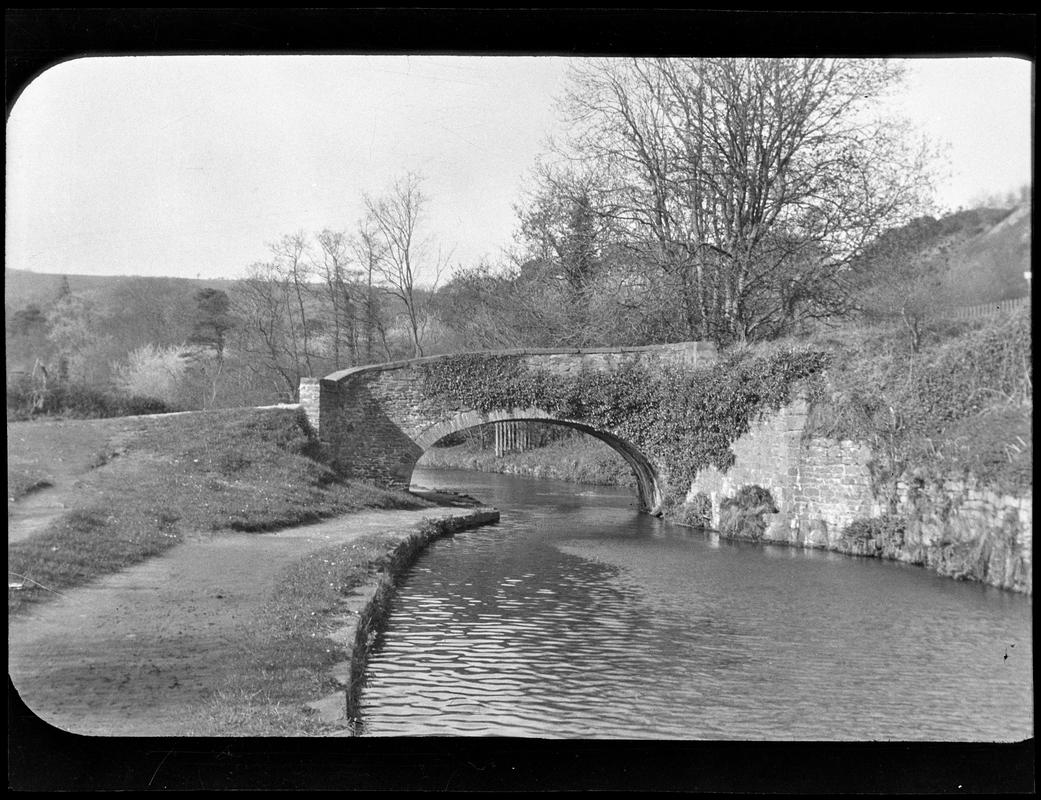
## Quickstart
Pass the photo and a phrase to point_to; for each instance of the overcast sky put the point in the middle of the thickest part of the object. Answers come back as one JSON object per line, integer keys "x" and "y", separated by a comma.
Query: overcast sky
{"x": 189, "y": 165}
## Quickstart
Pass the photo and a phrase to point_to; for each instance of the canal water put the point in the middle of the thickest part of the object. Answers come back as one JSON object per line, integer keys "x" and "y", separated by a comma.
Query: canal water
{"x": 576, "y": 616}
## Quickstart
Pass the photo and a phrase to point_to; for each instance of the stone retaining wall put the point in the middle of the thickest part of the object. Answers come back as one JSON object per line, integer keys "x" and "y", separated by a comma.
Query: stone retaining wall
{"x": 825, "y": 496}
{"x": 768, "y": 455}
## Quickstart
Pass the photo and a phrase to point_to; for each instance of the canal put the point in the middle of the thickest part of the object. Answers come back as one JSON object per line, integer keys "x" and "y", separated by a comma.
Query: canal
{"x": 576, "y": 616}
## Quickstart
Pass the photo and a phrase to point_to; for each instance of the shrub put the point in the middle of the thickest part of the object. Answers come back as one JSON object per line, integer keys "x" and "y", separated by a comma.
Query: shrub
{"x": 153, "y": 371}
{"x": 25, "y": 395}
{"x": 26, "y": 400}
{"x": 886, "y": 531}
{"x": 743, "y": 515}
{"x": 696, "y": 512}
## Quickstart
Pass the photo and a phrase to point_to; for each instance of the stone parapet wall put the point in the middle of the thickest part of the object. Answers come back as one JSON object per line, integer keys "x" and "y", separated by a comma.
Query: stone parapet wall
{"x": 664, "y": 358}
{"x": 310, "y": 398}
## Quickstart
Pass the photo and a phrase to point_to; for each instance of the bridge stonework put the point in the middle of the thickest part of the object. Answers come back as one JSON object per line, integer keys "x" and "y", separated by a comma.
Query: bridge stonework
{"x": 376, "y": 421}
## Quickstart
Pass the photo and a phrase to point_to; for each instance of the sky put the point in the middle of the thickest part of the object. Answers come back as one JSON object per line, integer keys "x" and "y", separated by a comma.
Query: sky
{"x": 190, "y": 166}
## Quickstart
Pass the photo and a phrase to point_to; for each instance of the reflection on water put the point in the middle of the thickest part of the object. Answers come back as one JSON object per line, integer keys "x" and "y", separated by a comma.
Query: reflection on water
{"x": 578, "y": 617}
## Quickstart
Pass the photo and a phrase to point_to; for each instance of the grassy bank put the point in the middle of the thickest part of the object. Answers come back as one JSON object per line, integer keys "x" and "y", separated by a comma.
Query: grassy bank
{"x": 170, "y": 476}
{"x": 961, "y": 406}
{"x": 290, "y": 654}
{"x": 581, "y": 459}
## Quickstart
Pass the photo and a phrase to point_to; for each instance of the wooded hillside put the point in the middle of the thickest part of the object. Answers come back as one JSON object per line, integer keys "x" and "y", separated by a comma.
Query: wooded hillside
{"x": 201, "y": 343}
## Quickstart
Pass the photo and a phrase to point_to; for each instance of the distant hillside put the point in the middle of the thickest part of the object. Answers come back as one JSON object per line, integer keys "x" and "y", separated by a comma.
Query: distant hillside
{"x": 977, "y": 256}
{"x": 22, "y": 287}
{"x": 990, "y": 262}
{"x": 984, "y": 252}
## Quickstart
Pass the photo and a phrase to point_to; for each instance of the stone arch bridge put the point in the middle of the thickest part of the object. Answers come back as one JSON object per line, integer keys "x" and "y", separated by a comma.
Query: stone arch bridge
{"x": 376, "y": 421}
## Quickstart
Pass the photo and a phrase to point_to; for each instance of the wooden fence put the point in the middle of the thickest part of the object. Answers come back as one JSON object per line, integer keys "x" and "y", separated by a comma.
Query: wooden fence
{"x": 986, "y": 309}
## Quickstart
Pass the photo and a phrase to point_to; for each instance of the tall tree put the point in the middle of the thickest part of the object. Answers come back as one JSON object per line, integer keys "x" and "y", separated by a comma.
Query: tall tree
{"x": 733, "y": 176}
{"x": 291, "y": 263}
{"x": 79, "y": 339}
{"x": 340, "y": 287}
{"x": 213, "y": 322}
{"x": 27, "y": 341}
{"x": 368, "y": 252}
{"x": 274, "y": 335}
{"x": 572, "y": 237}
{"x": 406, "y": 258}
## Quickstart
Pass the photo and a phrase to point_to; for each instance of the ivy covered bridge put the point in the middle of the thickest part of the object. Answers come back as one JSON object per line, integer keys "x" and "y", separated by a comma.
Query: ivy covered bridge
{"x": 668, "y": 410}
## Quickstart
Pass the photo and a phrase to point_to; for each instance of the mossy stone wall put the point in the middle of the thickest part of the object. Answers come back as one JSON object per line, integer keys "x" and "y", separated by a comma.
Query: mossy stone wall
{"x": 827, "y": 499}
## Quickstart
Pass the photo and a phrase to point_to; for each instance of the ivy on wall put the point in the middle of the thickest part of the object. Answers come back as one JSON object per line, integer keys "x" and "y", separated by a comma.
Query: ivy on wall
{"x": 685, "y": 419}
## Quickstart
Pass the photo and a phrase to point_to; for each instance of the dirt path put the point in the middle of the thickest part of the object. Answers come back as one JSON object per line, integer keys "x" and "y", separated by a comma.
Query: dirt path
{"x": 61, "y": 453}
{"x": 34, "y": 512}
{"x": 129, "y": 654}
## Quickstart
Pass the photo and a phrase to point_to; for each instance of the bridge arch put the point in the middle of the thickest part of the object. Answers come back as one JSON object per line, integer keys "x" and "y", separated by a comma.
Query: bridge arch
{"x": 648, "y": 482}
{"x": 377, "y": 421}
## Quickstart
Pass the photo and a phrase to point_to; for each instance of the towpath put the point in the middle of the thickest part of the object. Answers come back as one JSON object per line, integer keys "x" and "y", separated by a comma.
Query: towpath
{"x": 137, "y": 652}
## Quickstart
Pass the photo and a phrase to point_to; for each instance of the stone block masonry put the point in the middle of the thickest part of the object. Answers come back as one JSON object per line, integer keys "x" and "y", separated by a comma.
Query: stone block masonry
{"x": 768, "y": 456}
{"x": 310, "y": 398}
{"x": 831, "y": 487}
{"x": 821, "y": 486}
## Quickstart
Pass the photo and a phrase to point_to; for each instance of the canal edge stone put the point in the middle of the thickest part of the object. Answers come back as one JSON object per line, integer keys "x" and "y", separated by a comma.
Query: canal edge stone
{"x": 362, "y": 614}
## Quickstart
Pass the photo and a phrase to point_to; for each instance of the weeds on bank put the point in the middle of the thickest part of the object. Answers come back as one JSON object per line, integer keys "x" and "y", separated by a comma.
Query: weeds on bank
{"x": 254, "y": 470}
{"x": 963, "y": 404}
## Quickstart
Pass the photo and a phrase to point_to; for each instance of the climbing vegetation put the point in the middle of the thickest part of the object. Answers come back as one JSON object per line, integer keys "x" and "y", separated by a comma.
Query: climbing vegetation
{"x": 961, "y": 405}
{"x": 684, "y": 419}
{"x": 743, "y": 516}
{"x": 696, "y": 512}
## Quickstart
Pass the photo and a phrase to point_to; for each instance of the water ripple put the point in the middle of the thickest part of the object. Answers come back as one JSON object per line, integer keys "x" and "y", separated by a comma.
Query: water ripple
{"x": 590, "y": 621}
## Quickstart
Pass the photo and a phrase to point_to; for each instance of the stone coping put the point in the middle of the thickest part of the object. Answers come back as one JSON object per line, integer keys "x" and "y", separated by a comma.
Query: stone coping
{"x": 703, "y": 349}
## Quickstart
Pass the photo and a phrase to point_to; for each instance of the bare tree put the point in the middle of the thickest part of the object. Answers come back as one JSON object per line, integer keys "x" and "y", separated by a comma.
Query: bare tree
{"x": 404, "y": 257}
{"x": 340, "y": 291}
{"x": 276, "y": 330}
{"x": 368, "y": 252}
{"x": 749, "y": 183}
{"x": 292, "y": 265}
